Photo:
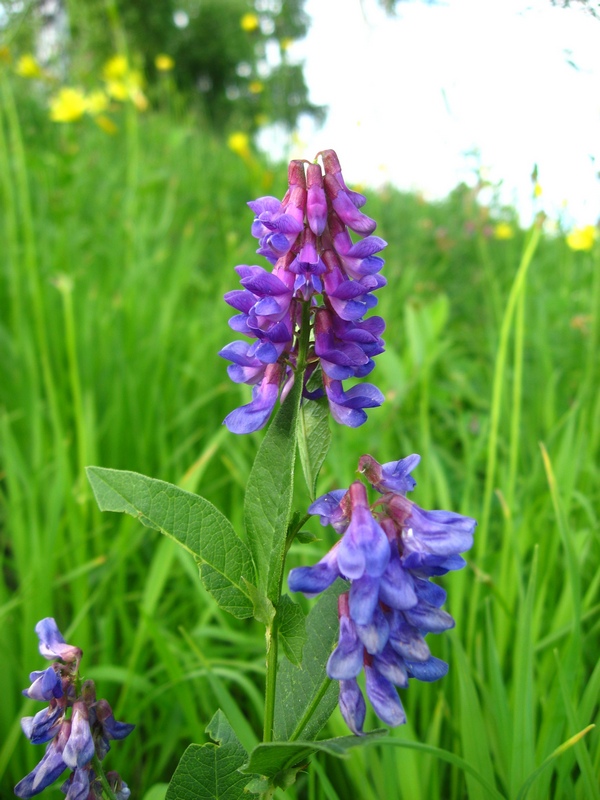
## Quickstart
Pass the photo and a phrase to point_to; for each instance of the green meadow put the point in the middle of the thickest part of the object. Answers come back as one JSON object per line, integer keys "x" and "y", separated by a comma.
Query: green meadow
{"x": 115, "y": 251}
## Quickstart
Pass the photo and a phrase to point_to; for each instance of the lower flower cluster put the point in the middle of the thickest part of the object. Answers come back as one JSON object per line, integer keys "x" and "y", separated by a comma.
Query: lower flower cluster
{"x": 75, "y": 740}
{"x": 388, "y": 551}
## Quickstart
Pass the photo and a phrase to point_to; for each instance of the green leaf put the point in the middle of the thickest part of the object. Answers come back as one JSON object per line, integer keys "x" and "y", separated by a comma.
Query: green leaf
{"x": 268, "y": 498}
{"x": 306, "y": 537}
{"x": 314, "y": 438}
{"x": 305, "y": 696}
{"x": 292, "y": 629}
{"x": 280, "y": 761}
{"x": 193, "y": 522}
{"x": 210, "y": 771}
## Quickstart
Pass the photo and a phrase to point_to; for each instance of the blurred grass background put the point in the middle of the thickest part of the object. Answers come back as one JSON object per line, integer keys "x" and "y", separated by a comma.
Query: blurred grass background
{"x": 116, "y": 251}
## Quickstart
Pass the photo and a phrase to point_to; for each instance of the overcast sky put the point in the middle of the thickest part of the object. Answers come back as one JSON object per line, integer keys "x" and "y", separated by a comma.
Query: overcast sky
{"x": 409, "y": 97}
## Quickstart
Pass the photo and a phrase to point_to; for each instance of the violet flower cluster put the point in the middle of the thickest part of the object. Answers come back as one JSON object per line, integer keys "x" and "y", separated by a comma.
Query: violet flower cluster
{"x": 388, "y": 551}
{"x": 315, "y": 262}
{"x": 75, "y": 738}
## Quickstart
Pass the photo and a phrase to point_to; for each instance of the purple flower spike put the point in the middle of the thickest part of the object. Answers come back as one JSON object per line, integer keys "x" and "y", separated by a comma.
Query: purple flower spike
{"x": 387, "y": 552}
{"x": 52, "y": 645}
{"x": 318, "y": 273}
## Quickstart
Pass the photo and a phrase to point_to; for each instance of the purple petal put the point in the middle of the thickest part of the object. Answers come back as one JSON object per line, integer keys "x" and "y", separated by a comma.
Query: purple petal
{"x": 375, "y": 634}
{"x": 429, "y": 592}
{"x": 396, "y": 588}
{"x": 77, "y": 787}
{"x": 52, "y": 645}
{"x": 384, "y": 698}
{"x": 346, "y": 661}
{"x": 352, "y": 705}
{"x": 389, "y": 664}
{"x": 313, "y": 580}
{"x": 46, "y": 684}
{"x": 429, "y": 618}
{"x": 406, "y": 640}
{"x": 49, "y": 768}
{"x": 364, "y": 595}
{"x": 330, "y": 511}
{"x": 44, "y": 726}
{"x": 79, "y": 750}
{"x": 254, "y": 415}
{"x": 112, "y": 729}
{"x": 431, "y": 670}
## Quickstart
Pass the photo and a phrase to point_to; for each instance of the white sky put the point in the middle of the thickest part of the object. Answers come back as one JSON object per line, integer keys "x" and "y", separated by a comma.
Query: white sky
{"x": 409, "y": 97}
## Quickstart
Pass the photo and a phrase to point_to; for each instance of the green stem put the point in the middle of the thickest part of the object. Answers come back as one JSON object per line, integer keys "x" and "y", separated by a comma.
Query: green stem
{"x": 303, "y": 338}
{"x": 271, "y": 682}
{"x": 99, "y": 770}
{"x": 310, "y": 710}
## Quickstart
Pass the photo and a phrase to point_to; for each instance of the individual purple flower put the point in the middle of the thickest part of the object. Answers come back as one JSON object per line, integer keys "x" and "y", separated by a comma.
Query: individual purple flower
{"x": 347, "y": 408}
{"x": 45, "y": 685}
{"x": 316, "y": 268}
{"x": 79, "y": 750}
{"x": 391, "y": 477}
{"x": 254, "y": 415}
{"x": 45, "y": 724}
{"x": 50, "y": 767}
{"x": 388, "y": 551}
{"x": 352, "y": 705}
{"x": 77, "y": 785}
{"x": 52, "y": 645}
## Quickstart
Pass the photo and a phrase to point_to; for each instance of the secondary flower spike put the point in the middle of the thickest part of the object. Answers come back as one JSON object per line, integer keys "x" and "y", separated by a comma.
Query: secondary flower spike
{"x": 388, "y": 551}
{"x": 76, "y": 725}
{"x": 316, "y": 266}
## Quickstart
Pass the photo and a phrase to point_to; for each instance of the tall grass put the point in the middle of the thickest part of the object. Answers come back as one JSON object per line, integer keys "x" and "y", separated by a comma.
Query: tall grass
{"x": 116, "y": 252}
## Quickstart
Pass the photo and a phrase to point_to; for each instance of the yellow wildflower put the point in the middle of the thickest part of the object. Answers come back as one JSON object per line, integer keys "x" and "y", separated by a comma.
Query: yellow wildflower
{"x": 115, "y": 68}
{"x": 28, "y": 67}
{"x": 239, "y": 142}
{"x": 582, "y": 238}
{"x": 117, "y": 90}
{"x": 68, "y": 105}
{"x": 106, "y": 123}
{"x": 537, "y": 190}
{"x": 164, "y": 63}
{"x": 503, "y": 231}
{"x": 97, "y": 102}
{"x": 249, "y": 23}
{"x": 256, "y": 87}
{"x": 286, "y": 43}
